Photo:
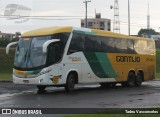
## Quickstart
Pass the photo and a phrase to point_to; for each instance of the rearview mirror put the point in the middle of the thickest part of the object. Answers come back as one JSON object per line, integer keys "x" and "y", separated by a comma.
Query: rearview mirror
{"x": 45, "y": 45}
{"x": 9, "y": 45}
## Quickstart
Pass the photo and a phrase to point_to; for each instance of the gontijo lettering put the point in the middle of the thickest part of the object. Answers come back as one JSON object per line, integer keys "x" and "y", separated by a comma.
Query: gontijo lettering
{"x": 128, "y": 59}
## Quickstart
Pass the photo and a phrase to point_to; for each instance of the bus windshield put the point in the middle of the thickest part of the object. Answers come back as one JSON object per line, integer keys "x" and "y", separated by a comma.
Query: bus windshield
{"x": 29, "y": 52}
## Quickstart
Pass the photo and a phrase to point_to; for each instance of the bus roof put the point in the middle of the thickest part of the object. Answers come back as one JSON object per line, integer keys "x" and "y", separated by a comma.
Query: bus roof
{"x": 108, "y": 34}
{"x": 54, "y": 30}
{"x": 47, "y": 31}
{"x": 116, "y": 35}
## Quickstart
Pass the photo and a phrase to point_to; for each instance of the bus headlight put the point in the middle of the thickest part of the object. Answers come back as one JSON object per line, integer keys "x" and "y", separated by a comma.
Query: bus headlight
{"x": 41, "y": 80}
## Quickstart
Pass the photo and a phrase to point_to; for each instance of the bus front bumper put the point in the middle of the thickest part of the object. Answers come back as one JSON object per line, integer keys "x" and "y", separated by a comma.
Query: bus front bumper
{"x": 40, "y": 80}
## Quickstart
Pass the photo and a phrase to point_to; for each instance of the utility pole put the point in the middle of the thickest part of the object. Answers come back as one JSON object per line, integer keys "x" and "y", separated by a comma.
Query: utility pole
{"x": 148, "y": 19}
{"x": 86, "y": 2}
{"x": 148, "y": 23}
{"x": 128, "y": 17}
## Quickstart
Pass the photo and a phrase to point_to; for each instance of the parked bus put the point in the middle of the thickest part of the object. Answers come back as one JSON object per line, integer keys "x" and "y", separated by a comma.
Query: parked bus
{"x": 65, "y": 56}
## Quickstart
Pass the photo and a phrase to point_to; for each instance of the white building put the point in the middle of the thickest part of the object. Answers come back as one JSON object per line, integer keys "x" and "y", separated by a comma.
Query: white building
{"x": 97, "y": 23}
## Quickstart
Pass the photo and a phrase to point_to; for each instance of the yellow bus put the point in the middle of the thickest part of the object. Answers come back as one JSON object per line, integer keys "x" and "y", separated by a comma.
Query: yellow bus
{"x": 65, "y": 56}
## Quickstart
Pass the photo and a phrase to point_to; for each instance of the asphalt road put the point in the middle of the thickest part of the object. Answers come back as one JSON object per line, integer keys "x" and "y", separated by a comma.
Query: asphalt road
{"x": 85, "y": 96}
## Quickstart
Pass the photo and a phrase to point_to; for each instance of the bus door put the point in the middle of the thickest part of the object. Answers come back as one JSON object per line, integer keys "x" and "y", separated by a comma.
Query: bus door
{"x": 54, "y": 58}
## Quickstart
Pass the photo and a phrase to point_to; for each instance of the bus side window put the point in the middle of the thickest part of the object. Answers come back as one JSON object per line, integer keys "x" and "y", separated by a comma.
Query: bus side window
{"x": 130, "y": 47}
{"x": 135, "y": 42}
{"x": 150, "y": 47}
{"x": 123, "y": 46}
{"x": 77, "y": 43}
{"x": 117, "y": 46}
{"x": 108, "y": 44}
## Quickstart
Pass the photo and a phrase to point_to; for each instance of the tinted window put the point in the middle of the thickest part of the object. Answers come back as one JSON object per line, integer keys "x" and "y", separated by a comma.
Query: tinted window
{"x": 150, "y": 47}
{"x": 144, "y": 47}
{"x": 56, "y": 49}
{"x": 54, "y": 53}
{"x": 94, "y": 43}
{"x": 77, "y": 43}
{"x": 117, "y": 45}
{"x": 107, "y": 44}
{"x": 63, "y": 38}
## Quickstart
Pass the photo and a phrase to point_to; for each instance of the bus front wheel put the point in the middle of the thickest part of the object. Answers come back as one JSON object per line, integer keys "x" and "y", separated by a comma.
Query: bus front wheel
{"x": 70, "y": 83}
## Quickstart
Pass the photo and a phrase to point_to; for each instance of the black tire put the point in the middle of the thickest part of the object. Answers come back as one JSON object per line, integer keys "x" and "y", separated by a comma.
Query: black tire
{"x": 139, "y": 79}
{"x": 41, "y": 87}
{"x": 70, "y": 83}
{"x": 131, "y": 79}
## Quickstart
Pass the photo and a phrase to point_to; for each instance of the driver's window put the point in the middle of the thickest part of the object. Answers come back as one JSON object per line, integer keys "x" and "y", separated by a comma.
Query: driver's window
{"x": 54, "y": 53}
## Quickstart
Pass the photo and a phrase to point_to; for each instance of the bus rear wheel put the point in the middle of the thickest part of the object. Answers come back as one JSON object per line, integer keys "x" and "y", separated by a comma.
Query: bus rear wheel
{"x": 131, "y": 79}
{"x": 139, "y": 79}
{"x": 70, "y": 84}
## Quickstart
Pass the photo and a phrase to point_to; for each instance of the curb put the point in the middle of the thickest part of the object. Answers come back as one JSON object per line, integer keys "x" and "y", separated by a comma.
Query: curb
{"x": 156, "y": 80}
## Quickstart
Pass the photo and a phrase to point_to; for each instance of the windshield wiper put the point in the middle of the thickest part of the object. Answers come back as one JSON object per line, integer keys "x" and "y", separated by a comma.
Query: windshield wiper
{"x": 24, "y": 58}
{"x": 29, "y": 59}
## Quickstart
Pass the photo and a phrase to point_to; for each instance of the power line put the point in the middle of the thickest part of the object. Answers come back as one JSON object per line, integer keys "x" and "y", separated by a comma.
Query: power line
{"x": 72, "y": 18}
{"x": 38, "y": 16}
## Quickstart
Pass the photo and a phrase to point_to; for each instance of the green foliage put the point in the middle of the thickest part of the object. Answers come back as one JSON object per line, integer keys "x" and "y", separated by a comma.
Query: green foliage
{"x": 6, "y": 61}
{"x": 6, "y": 64}
{"x": 147, "y": 31}
{"x": 4, "y": 42}
{"x": 158, "y": 60}
{"x": 157, "y": 44}
{"x": 5, "y": 76}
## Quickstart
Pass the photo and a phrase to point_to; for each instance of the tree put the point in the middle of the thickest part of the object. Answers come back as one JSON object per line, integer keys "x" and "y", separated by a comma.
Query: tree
{"x": 16, "y": 36}
{"x": 4, "y": 42}
{"x": 143, "y": 32}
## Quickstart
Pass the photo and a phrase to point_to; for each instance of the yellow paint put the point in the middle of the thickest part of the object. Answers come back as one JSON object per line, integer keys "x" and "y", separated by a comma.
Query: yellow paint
{"x": 18, "y": 72}
{"x": 116, "y": 35}
{"x": 123, "y": 68}
{"x": 47, "y": 31}
{"x": 22, "y": 73}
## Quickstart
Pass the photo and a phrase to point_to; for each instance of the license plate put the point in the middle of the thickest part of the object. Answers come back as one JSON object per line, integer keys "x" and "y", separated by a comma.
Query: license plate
{"x": 25, "y": 81}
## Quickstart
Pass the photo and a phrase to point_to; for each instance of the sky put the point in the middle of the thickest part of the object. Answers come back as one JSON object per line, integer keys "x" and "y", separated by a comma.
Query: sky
{"x": 47, "y": 13}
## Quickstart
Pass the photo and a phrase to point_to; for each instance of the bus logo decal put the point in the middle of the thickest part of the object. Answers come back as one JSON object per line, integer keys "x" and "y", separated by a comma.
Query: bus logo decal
{"x": 128, "y": 59}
